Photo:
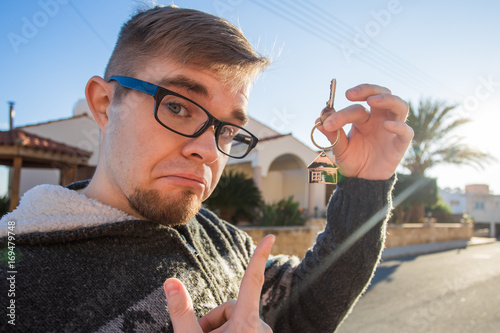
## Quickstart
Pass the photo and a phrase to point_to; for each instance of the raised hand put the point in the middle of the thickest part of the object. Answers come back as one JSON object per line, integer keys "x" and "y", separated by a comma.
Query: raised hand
{"x": 241, "y": 315}
{"x": 378, "y": 138}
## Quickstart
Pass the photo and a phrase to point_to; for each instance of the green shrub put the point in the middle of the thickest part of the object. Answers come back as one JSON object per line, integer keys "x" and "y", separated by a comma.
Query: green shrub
{"x": 282, "y": 213}
{"x": 235, "y": 197}
{"x": 4, "y": 205}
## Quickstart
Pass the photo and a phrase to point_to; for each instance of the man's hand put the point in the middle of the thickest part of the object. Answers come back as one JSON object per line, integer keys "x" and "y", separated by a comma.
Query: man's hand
{"x": 378, "y": 138}
{"x": 241, "y": 315}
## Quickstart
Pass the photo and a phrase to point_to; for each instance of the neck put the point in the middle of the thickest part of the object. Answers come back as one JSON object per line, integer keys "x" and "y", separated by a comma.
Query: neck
{"x": 102, "y": 190}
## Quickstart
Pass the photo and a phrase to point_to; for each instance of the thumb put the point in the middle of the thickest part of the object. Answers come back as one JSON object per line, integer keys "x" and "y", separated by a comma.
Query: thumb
{"x": 180, "y": 307}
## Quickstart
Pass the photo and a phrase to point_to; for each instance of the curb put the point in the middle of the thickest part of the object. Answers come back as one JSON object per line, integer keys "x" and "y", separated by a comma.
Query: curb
{"x": 402, "y": 251}
{"x": 481, "y": 240}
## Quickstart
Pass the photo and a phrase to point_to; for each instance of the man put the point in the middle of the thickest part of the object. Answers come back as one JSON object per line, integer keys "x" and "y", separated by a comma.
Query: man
{"x": 172, "y": 109}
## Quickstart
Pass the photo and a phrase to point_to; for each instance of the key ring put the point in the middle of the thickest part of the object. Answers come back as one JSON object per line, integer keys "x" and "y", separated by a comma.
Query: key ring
{"x": 314, "y": 142}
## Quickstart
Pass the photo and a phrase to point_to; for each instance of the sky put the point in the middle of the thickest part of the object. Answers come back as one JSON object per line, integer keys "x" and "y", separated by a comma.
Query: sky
{"x": 446, "y": 50}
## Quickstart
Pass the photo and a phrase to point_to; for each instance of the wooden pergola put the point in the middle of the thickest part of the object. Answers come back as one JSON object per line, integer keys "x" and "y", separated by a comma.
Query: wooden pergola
{"x": 20, "y": 149}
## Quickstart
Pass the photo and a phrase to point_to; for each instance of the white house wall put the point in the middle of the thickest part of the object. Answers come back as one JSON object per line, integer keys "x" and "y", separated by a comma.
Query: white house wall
{"x": 483, "y": 208}
{"x": 31, "y": 177}
{"x": 272, "y": 187}
{"x": 455, "y": 199}
{"x": 81, "y": 132}
{"x": 294, "y": 185}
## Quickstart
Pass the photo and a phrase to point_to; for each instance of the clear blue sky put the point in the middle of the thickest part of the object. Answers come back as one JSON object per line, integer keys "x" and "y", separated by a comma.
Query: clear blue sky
{"x": 445, "y": 50}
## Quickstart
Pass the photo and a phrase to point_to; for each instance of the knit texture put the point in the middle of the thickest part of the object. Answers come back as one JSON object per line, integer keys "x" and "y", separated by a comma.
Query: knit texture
{"x": 82, "y": 271}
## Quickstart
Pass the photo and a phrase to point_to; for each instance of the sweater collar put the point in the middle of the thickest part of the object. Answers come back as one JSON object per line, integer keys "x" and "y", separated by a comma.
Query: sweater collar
{"x": 47, "y": 208}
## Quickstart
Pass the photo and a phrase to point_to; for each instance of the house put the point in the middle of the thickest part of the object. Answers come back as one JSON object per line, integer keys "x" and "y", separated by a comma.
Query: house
{"x": 80, "y": 131}
{"x": 20, "y": 149}
{"x": 478, "y": 203}
{"x": 278, "y": 164}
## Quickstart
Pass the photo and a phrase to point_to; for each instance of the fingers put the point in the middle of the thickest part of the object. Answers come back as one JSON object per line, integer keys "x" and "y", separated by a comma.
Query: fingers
{"x": 363, "y": 91}
{"x": 217, "y": 317}
{"x": 352, "y": 114}
{"x": 251, "y": 284}
{"x": 396, "y": 106}
{"x": 404, "y": 133}
{"x": 180, "y": 307}
{"x": 379, "y": 97}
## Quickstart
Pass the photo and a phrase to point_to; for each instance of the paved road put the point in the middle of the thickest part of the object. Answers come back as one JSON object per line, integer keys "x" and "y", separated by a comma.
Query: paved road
{"x": 452, "y": 291}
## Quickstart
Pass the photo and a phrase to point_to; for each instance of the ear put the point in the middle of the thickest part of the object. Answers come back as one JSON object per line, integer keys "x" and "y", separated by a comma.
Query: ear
{"x": 99, "y": 95}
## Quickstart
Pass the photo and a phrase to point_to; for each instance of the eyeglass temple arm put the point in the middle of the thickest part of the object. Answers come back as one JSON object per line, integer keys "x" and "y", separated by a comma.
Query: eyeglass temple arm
{"x": 136, "y": 84}
{"x": 252, "y": 142}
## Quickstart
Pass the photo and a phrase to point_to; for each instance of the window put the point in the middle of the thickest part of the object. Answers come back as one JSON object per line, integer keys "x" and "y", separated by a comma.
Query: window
{"x": 479, "y": 205}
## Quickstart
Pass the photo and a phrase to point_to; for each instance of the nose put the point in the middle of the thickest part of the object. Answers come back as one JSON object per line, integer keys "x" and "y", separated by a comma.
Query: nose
{"x": 203, "y": 147}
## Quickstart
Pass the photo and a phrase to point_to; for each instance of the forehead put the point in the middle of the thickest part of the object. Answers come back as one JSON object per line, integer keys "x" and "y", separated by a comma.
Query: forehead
{"x": 220, "y": 95}
{"x": 162, "y": 72}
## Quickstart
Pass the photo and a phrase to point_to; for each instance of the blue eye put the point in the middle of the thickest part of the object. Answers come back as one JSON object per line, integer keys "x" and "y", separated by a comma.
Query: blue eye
{"x": 175, "y": 108}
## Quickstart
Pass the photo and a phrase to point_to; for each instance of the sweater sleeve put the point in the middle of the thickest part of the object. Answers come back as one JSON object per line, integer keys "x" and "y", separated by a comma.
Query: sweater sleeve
{"x": 317, "y": 293}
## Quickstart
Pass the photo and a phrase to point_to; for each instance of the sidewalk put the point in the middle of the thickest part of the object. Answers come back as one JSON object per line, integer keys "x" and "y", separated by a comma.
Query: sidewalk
{"x": 481, "y": 240}
{"x": 396, "y": 252}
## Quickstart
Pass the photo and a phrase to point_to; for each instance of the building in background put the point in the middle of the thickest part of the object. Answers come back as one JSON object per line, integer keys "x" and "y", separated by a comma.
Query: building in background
{"x": 79, "y": 131}
{"x": 478, "y": 203}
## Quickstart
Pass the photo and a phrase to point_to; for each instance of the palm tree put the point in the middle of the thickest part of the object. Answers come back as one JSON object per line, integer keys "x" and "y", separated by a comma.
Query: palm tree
{"x": 434, "y": 124}
{"x": 235, "y": 197}
{"x": 434, "y": 143}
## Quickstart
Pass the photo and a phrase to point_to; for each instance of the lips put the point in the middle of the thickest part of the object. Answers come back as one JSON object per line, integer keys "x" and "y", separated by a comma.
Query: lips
{"x": 186, "y": 180}
{"x": 190, "y": 176}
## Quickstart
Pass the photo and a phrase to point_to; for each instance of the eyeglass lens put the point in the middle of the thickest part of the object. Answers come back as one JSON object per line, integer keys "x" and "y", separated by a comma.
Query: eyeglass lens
{"x": 187, "y": 118}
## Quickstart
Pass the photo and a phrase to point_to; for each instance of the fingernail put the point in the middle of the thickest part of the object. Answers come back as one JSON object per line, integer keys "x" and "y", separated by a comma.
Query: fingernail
{"x": 327, "y": 125}
{"x": 354, "y": 91}
{"x": 170, "y": 288}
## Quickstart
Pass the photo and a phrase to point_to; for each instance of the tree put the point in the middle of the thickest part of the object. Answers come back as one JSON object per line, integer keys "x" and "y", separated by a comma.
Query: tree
{"x": 235, "y": 197}
{"x": 435, "y": 142}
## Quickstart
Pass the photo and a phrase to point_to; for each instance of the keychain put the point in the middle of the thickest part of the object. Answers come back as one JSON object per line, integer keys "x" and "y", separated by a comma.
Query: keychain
{"x": 323, "y": 170}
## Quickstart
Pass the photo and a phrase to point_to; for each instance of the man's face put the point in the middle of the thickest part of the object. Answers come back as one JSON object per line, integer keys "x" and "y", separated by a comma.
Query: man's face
{"x": 155, "y": 173}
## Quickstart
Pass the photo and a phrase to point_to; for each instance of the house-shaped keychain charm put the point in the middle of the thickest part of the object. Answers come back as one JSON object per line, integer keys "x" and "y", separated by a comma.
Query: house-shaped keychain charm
{"x": 323, "y": 170}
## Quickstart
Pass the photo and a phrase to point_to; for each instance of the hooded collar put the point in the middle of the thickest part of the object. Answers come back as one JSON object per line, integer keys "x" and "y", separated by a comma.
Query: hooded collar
{"x": 47, "y": 208}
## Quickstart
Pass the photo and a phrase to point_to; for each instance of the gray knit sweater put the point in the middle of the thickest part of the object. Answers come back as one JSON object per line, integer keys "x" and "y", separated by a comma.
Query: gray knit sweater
{"x": 81, "y": 266}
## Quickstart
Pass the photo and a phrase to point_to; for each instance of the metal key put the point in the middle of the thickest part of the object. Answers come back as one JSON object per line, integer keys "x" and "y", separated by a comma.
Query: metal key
{"x": 333, "y": 86}
{"x": 329, "y": 105}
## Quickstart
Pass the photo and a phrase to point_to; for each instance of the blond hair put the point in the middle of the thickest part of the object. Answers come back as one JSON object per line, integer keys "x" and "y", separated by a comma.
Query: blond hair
{"x": 187, "y": 37}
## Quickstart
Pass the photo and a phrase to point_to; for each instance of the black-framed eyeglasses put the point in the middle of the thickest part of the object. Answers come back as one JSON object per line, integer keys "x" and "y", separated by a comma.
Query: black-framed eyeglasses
{"x": 185, "y": 117}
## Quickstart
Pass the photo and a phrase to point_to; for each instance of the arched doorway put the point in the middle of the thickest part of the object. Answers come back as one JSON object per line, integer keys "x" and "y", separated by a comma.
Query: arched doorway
{"x": 287, "y": 176}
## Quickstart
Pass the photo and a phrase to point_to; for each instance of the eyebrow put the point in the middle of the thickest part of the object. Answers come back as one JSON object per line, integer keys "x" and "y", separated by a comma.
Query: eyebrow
{"x": 185, "y": 82}
{"x": 240, "y": 115}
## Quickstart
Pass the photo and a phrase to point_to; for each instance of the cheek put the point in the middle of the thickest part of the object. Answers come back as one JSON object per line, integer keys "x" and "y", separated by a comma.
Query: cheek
{"x": 216, "y": 170}
{"x": 125, "y": 146}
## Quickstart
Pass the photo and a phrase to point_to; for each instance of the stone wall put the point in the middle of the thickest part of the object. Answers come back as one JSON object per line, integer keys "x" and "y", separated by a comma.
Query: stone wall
{"x": 421, "y": 233}
{"x": 289, "y": 240}
{"x": 297, "y": 240}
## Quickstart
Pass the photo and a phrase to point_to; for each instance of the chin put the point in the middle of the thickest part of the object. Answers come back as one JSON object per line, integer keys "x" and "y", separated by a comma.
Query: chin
{"x": 172, "y": 208}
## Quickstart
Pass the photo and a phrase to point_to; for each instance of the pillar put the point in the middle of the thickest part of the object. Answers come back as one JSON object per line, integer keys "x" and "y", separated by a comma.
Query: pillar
{"x": 16, "y": 180}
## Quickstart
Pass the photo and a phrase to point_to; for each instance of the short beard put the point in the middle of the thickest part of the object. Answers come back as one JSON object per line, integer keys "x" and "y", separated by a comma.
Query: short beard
{"x": 167, "y": 210}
